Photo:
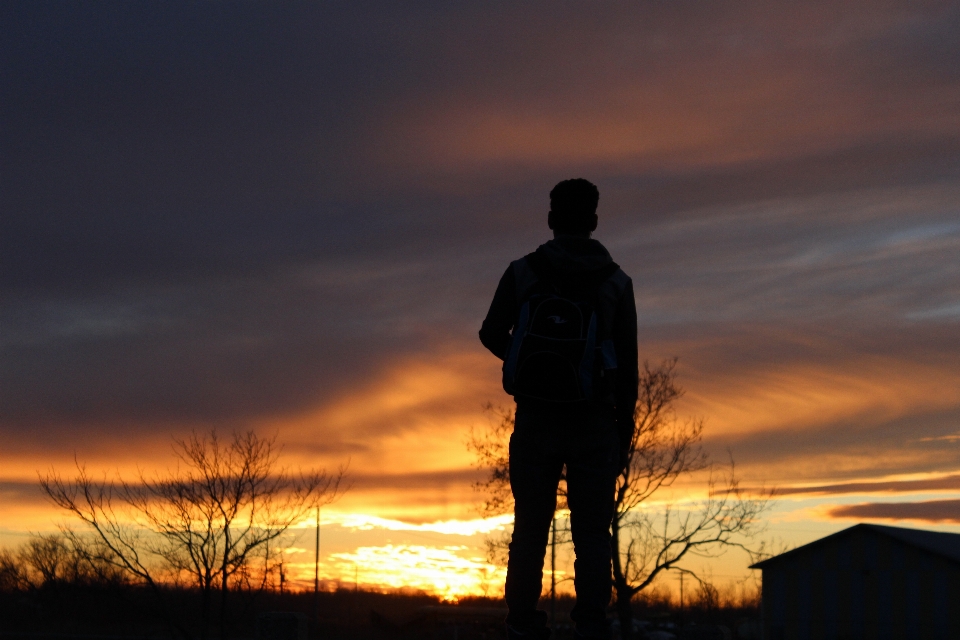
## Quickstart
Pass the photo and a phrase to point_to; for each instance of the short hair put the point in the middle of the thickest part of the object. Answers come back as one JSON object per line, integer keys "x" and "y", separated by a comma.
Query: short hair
{"x": 573, "y": 206}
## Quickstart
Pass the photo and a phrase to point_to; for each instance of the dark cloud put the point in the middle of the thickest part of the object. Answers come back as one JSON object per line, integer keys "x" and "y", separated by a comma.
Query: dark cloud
{"x": 218, "y": 214}
{"x": 930, "y": 511}
{"x": 20, "y": 492}
{"x": 460, "y": 478}
{"x": 151, "y": 142}
{"x": 413, "y": 497}
{"x": 862, "y": 446}
{"x": 30, "y": 492}
{"x": 779, "y": 292}
{"x": 946, "y": 483}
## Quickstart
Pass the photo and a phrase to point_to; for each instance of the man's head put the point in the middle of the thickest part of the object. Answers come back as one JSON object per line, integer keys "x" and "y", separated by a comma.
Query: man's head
{"x": 573, "y": 208}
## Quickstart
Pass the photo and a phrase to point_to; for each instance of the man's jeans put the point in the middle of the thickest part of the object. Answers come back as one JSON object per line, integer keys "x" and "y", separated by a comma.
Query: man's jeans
{"x": 545, "y": 438}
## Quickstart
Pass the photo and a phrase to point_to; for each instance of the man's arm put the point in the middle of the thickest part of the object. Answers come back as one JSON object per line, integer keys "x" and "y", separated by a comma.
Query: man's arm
{"x": 628, "y": 369}
{"x": 495, "y": 332}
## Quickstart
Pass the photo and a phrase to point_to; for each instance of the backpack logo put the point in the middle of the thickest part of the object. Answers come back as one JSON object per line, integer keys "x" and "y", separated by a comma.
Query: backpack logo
{"x": 557, "y": 319}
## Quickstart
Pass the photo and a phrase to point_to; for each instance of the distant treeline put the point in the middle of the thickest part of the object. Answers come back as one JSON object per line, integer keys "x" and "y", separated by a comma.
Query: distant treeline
{"x": 57, "y": 584}
{"x": 65, "y": 585}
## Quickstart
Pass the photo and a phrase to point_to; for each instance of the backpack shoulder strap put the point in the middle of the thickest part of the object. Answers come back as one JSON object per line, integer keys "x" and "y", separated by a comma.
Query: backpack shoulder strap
{"x": 608, "y": 296}
{"x": 524, "y": 277}
{"x": 616, "y": 283}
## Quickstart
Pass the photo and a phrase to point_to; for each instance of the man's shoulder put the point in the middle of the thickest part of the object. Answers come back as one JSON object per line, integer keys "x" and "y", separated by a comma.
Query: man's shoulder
{"x": 621, "y": 279}
{"x": 524, "y": 275}
{"x": 614, "y": 287}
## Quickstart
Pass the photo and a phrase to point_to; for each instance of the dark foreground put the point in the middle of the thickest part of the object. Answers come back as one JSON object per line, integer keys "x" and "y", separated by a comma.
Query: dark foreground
{"x": 123, "y": 612}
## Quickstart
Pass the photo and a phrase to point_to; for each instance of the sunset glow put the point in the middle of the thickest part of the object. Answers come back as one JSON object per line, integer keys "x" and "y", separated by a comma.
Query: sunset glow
{"x": 433, "y": 570}
{"x": 291, "y": 220}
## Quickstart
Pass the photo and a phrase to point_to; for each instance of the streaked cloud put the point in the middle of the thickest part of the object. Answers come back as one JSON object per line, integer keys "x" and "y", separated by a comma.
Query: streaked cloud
{"x": 930, "y": 511}
{"x": 367, "y": 522}
{"x": 947, "y": 312}
{"x": 922, "y": 485}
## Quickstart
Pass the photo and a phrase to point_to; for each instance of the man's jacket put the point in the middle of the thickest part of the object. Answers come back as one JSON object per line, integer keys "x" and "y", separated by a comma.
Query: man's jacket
{"x": 576, "y": 262}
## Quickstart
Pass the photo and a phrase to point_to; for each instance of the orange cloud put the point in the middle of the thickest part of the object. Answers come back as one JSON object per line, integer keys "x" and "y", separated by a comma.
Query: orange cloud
{"x": 412, "y": 418}
{"x": 893, "y": 486}
{"x": 651, "y": 90}
{"x": 931, "y": 511}
{"x": 811, "y": 393}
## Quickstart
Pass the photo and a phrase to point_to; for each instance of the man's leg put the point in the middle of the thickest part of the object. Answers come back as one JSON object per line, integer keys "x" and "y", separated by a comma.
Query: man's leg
{"x": 592, "y": 465}
{"x": 535, "y": 470}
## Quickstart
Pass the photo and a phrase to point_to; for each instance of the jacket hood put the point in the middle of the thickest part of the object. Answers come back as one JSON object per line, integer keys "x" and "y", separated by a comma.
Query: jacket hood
{"x": 575, "y": 255}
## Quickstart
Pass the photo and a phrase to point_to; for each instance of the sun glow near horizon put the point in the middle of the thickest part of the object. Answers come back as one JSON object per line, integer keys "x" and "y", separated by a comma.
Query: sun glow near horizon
{"x": 375, "y": 553}
{"x": 439, "y": 571}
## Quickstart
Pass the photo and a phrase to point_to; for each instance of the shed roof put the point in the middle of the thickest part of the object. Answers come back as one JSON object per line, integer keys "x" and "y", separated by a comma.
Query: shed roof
{"x": 946, "y": 545}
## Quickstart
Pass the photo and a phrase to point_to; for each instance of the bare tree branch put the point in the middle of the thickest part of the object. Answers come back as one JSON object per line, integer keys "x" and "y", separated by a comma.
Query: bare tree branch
{"x": 664, "y": 449}
{"x": 203, "y": 522}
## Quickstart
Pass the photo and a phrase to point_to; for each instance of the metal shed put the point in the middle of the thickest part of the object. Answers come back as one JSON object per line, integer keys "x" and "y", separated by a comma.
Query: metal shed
{"x": 868, "y": 581}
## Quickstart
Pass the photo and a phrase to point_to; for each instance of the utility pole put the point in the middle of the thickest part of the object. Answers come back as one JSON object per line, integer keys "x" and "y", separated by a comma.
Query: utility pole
{"x": 553, "y": 576}
{"x": 316, "y": 571}
{"x": 680, "y": 620}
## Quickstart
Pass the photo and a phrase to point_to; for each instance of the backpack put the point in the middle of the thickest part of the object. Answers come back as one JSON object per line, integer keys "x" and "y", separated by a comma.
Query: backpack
{"x": 561, "y": 348}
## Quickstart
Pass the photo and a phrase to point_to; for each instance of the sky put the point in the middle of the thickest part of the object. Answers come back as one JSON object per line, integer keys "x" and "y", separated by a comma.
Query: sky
{"x": 291, "y": 218}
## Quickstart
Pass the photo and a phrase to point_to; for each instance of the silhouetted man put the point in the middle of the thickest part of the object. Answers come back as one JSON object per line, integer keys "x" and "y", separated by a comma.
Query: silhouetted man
{"x": 563, "y": 320}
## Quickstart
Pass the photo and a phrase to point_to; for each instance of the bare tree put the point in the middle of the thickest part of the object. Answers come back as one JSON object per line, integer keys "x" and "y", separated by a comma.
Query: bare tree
{"x": 201, "y": 524}
{"x": 492, "y": 450}
{"x": 46, "y": 558}
{"x": 663, "y": 449}
{"x": 491, "y": 446}
{"x": 66, "y": 558}
{"x": 13, "y": 577}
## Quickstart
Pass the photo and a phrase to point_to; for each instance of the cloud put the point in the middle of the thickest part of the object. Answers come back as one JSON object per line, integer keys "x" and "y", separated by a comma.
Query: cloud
{"x": 924, "y": 485}
{"x": 931, "y": 511}
{"x": 951, "y": 311}
{"x": 813, "y": 288}
{"x": 463, "y": 477}
{"x": 293, "y": 219}
{"x": 448, "y": 527}
{"x": 339, "y": 131}
{"x": 20, "y": 492}
{"x": 858, "y": 449}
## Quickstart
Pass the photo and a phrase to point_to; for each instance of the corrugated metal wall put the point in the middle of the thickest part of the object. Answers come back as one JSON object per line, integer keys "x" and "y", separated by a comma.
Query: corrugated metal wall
{"x": 863, "y": 585}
